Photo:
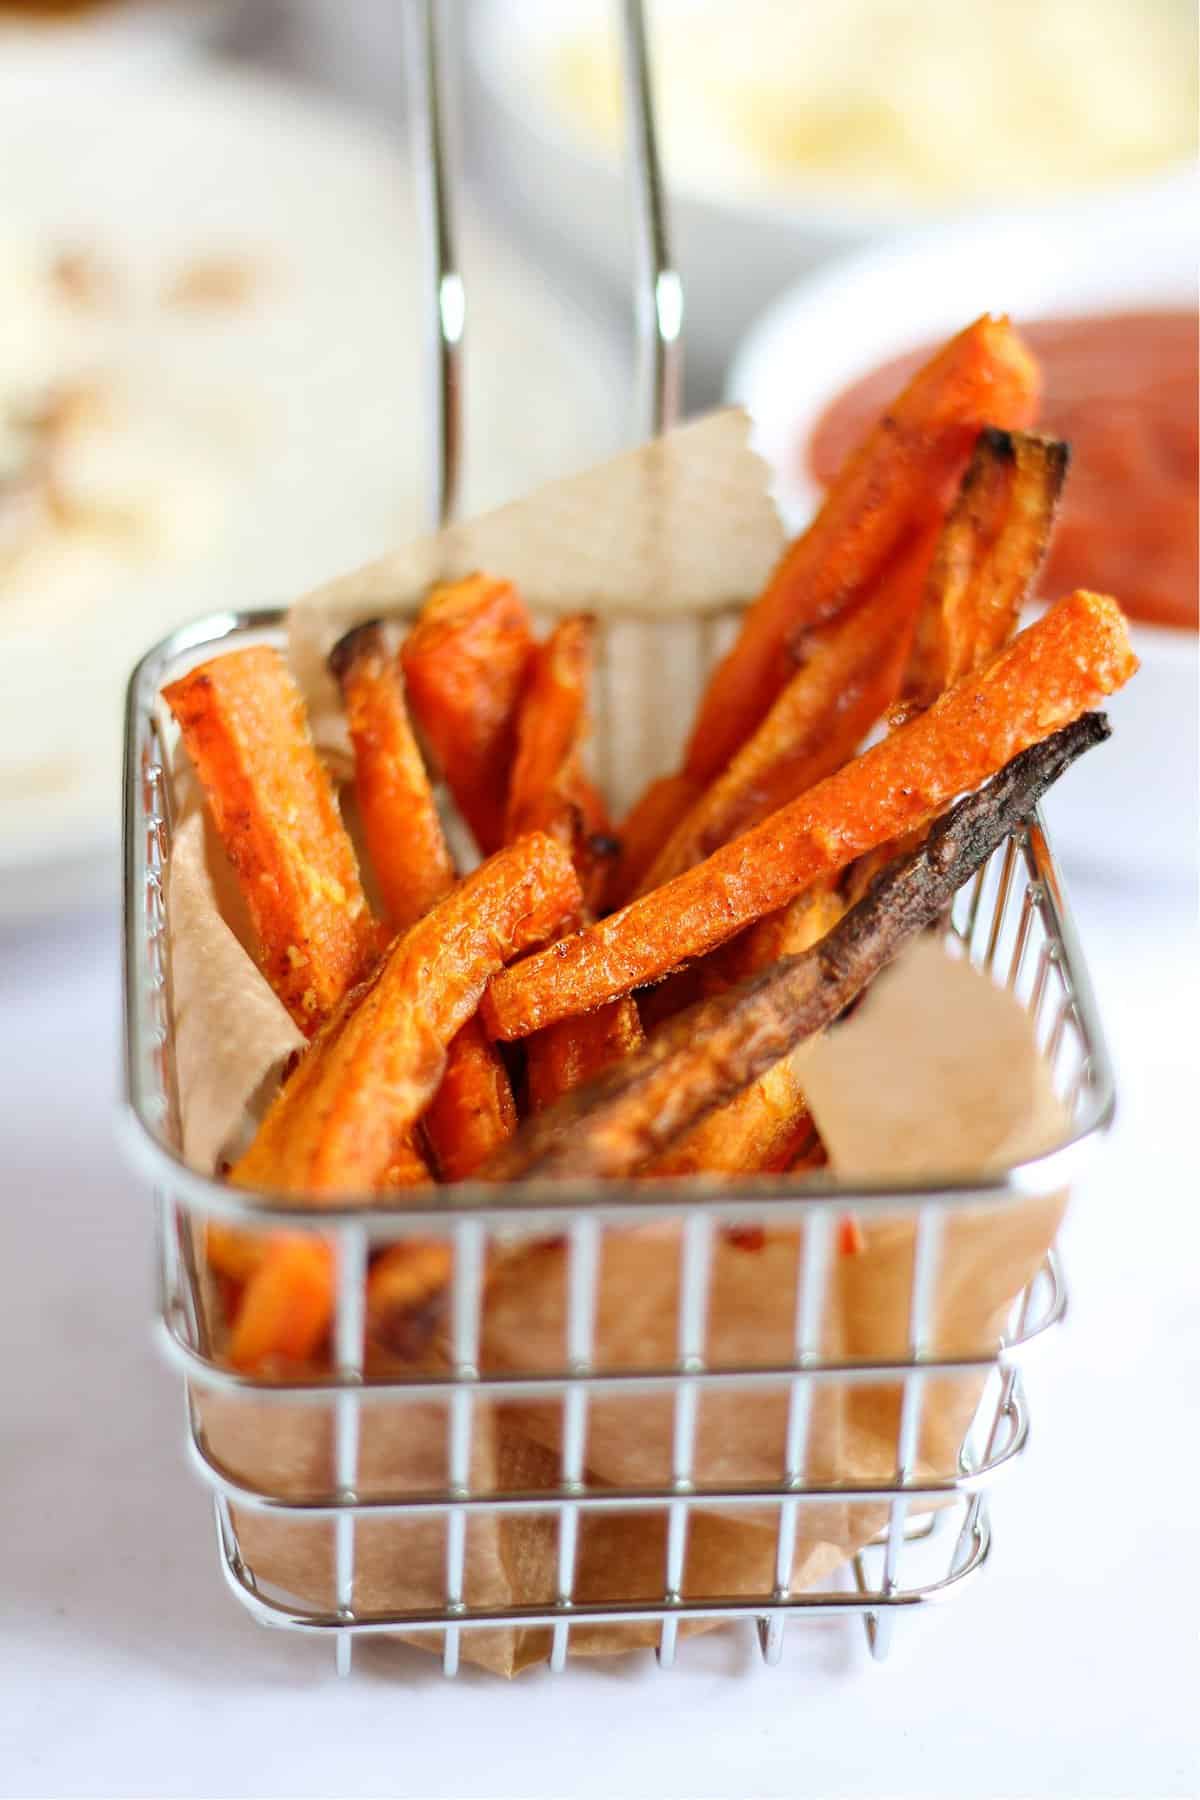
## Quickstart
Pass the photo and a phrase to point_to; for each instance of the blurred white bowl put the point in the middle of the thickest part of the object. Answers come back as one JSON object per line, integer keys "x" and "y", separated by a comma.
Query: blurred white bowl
{"x": 736, "y": 241}
{"x": 1132, "y": 808}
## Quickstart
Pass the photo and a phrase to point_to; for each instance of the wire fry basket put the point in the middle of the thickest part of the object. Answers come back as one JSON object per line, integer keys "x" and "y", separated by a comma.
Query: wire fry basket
{"x": 923, "y": 1526}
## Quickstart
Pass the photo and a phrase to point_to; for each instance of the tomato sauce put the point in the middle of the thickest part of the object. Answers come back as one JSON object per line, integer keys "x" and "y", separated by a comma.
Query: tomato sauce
{"x": 1121, "y": 389}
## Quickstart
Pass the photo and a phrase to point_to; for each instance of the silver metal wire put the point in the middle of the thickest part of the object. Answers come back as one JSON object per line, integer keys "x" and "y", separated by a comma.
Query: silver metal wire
{"x": 1015, "y": 909}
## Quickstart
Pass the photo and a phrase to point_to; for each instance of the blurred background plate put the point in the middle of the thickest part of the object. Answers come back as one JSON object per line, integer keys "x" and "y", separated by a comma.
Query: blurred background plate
{"x": 211, "y": 395}
{"x": 793, "y": 132}
{"x": 1103, "y": 257}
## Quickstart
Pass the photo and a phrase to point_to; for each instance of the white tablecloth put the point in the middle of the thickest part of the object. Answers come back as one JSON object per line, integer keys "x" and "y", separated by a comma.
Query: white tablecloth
{"x": 1068, "y": 1668}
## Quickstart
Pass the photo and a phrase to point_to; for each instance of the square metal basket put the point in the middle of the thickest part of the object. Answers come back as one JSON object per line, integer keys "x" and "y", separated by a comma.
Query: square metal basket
{"x": 930, "y": 1526}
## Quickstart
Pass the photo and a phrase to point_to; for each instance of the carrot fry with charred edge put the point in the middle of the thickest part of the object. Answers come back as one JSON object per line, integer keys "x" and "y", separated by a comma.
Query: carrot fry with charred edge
{"x": 377, "y": 1064}
{"x": 987, "y": 557}
{"x": 287, "y": 1305}
{"x": 243, "y": 723}
{"x": 706, "y": 1056}
{"x": 893, "y": 483}
{"x": 549, "y": 792}
{"x": 473, "y": 1111}
{"x": 403, "y": 832}
{"x": 763, "y": 1128}
{"x": 850, "y": 676}
{"x": 465, "y": 663}
{"x": 1058, "y": 668}
{"x": 646, "y": 829}
{"x": 406, "y": 1295}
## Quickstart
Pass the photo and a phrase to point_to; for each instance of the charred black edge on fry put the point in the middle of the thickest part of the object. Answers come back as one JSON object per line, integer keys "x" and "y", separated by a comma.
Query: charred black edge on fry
{"x": 705, "y": 1056}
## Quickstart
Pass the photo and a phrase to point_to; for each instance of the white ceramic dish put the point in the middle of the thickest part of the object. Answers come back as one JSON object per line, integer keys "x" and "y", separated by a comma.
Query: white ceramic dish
{"x": 1133, "y": 807}
{"x": 736, "y": 246}
{"x": 296, "y": 422}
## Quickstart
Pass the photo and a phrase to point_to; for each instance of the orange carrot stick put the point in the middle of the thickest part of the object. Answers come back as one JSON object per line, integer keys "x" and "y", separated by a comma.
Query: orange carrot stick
{"x": 465, "y": 663}
{"x": 406, "y": 1294}
{"x": 243, "y": 723}
{"x": 473, "y": 1111}
{"x": 287, "y": 1306}
{"x": 768, "y": 1123}
{"x": 1057, "y": 669}
{"x": 646, "y": 829}
{"x": 375, "y": 1068}
{"x": 892, "y": 484}
{"x": 850, "y": 675}
{"x": 546, "y": 793}
{"x": 987, "y": 557}
{"x": 403, "y": 832}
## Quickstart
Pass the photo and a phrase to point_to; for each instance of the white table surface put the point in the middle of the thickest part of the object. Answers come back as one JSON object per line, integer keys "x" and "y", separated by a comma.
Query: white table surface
{"x": 1068, "y": 1668}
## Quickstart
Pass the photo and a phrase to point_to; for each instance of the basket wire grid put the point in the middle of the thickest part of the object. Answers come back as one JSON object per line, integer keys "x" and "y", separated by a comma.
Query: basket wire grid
{"x": 1011, "y": 920}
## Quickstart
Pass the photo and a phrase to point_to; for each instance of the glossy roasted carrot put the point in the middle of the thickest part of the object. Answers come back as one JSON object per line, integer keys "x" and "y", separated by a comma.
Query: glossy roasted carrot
{"x": 1054, "y": 671}
{"x": 465, "y": 663}
{"x": 377, "y": 1065}
{"x": 895, "y": 482}
{"x": 646, "y": 829}
{"x": 549, "y": 792}
{"x": 403, "y": 832}
{"x": 287, "y": 1306}
{"x": 244, "y": 726}
{"x": 768, "y": 1124}
{"x": 473, "y": 1111}
{"x": 987, "y": 558}
{"x": 850, "y": 674}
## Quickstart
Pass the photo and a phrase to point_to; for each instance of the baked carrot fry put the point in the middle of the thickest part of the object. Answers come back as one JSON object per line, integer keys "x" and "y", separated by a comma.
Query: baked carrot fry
{"x": 576, "y": 1050}
{"x": 465, "y": 663}
{"x": 549, "y": 792}
{"x": 403, "y": 832}
{"x": 706, "y": 1056}
{"x": 987, "y": 556}
{"x": 647, "y": 828}
{"x": 406, "y": 1291}
{"x": 377, "y": 1065}
{"x": 1058, "y": 668}
{"x": 232, "y": 1251}
{"x": 243, "y": 724}
{"x": 287, "y": 1306}
{"x": 803, "y": 922}
{"x": 850, "y": 675}
{"x": 764, "y": 1127}
{"x": 895, "y": 481}
{"x": 473, "y": 1111}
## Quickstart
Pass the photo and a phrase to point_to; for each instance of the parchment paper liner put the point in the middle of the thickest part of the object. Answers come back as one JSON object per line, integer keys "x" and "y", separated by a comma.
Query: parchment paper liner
{"x": 937, "y": 1072}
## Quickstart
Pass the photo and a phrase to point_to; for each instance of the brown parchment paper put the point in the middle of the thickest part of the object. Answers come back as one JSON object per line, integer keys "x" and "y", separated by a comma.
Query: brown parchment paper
{"x": 937, "y": 1070}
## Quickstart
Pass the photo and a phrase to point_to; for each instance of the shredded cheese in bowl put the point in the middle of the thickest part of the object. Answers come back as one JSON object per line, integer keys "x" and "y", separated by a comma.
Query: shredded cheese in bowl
{"x": 894, "y": 103}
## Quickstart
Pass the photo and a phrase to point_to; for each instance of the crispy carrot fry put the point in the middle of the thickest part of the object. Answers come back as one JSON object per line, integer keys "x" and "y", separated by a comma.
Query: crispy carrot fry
{"x": 706, "y": 1056}
{"x": 576, "y": 1050}
{"x": 243, "y": 723}
{"x": 803, "y": 922}
{"x": 288, "y": 1303}
{"x": 893, "y": 482}
{"x": 465, "y": 663}
{"x": 647, "y": 828}
{"x": 850, "y": 676}
{"x": 1058, "y": 668}
{"x": 987, "y": 556}
{"x": 377, "y": 1065}
{"x": 768, "y": 1123}
{"x": 403, "y": 832}
{"x": 473, "y": 1111}
{"x": 406, "y": 1295}
{"x": 232, "y": 1251}
{"x": 549, "y": 792}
